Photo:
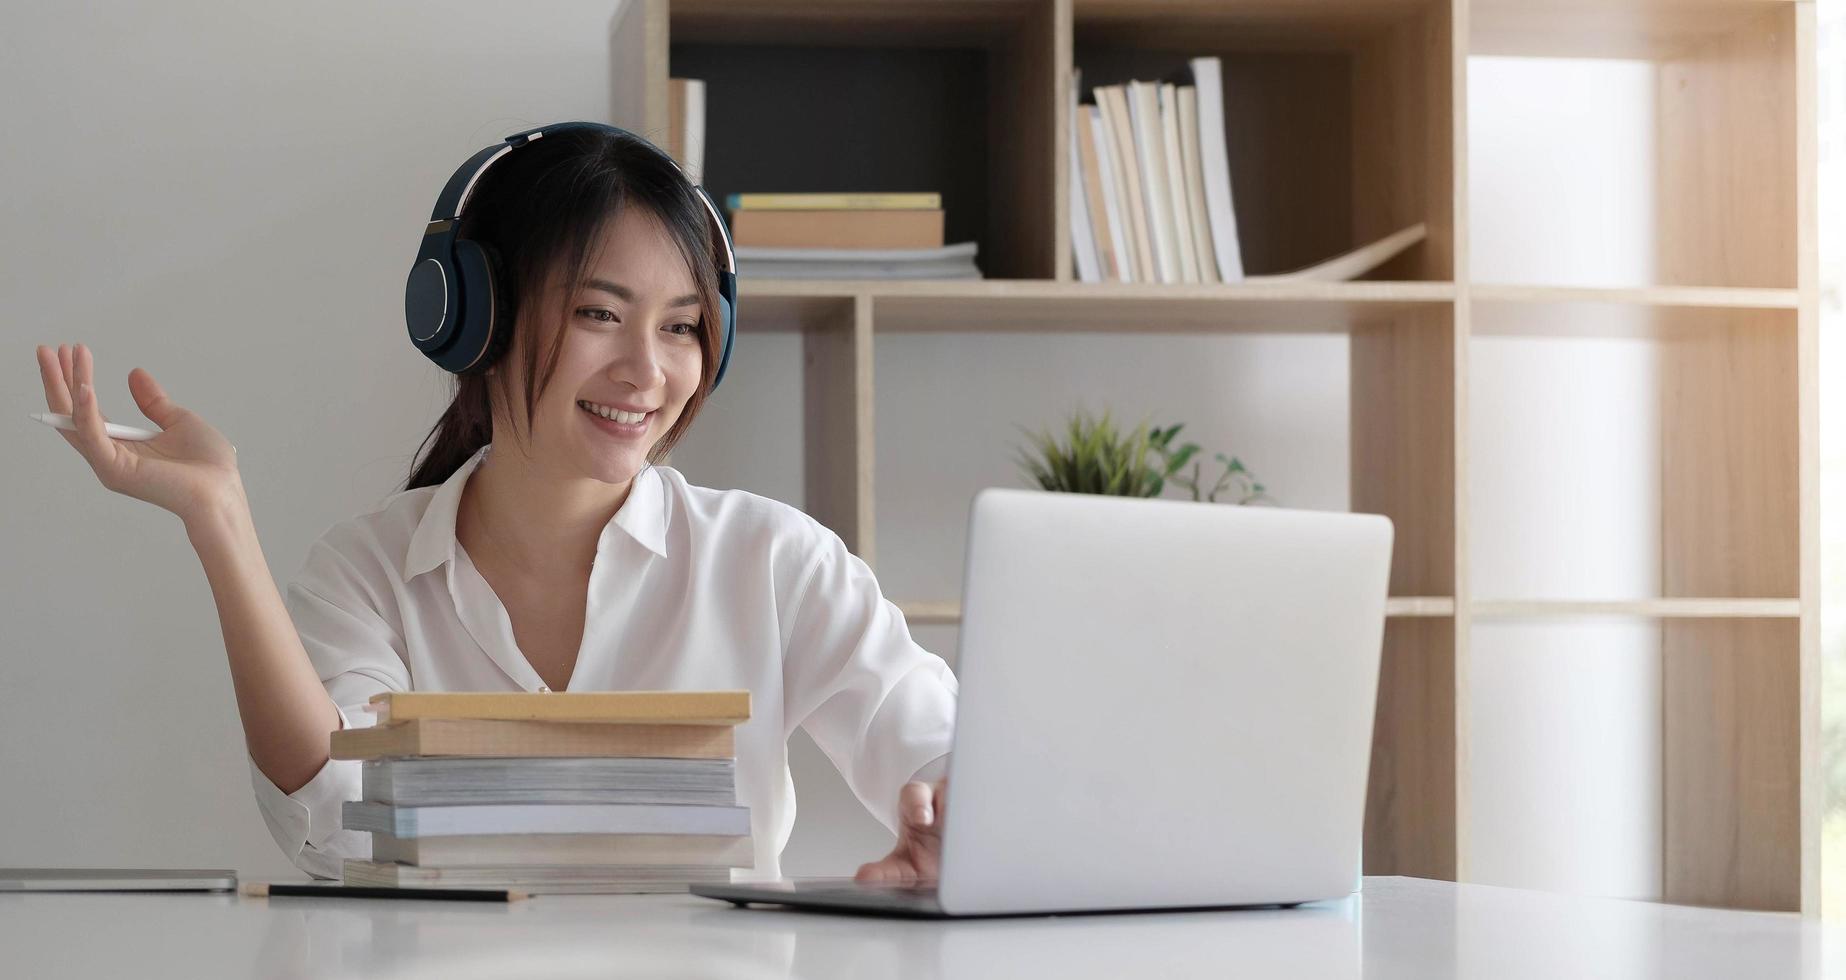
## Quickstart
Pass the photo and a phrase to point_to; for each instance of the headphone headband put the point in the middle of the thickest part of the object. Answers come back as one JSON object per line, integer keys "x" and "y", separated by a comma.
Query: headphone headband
{"x": 452, "y": 304}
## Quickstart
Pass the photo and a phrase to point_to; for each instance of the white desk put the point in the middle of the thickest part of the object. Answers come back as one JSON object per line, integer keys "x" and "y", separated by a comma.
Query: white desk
{"x": 1399, "y": 927}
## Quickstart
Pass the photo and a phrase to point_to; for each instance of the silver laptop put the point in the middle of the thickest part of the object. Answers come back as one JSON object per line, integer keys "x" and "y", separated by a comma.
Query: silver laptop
{"x": 1164, "y": 704}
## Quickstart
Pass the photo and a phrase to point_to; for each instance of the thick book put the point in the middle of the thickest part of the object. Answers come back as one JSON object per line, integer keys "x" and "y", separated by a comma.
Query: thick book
{"x": 651, "y": 707}
{"x": 536, "y": 880}
{"x": 838, "y": 228}
{"x": 1150, "y": 158}
{"x": 852, "y": 201}
{"x": 468, "y": 737}
{"x": 1175, "y": 179}
{"x": 1114, "y": 195}
{"x": 1114, "y": 102}
{"x": 459, "y": 782}
{"x": 948, "y": 262}
{"x": 1215, "y": 167}
{"x": 1103, "y": 233}
{"x": 543, "y": 818}
{"x": 1195, "y": 184}
{"x": 490, "y": 850}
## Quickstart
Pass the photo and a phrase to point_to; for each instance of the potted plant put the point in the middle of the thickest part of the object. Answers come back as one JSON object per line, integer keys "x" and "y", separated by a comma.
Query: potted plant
{"x": 1097, "y": 457}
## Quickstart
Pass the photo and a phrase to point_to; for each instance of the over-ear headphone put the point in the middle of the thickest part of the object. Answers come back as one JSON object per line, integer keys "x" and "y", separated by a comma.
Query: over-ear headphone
{"x": 457, "y": 313}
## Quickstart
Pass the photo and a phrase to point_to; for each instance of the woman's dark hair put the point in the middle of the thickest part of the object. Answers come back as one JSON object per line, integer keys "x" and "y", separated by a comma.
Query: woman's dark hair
{"x": 542, "y": 208}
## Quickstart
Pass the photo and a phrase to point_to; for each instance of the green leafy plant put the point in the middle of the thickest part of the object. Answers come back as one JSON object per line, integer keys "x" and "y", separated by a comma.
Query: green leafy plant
{"x": 1097, "y": 457}
{"x": 1237, "y": 478}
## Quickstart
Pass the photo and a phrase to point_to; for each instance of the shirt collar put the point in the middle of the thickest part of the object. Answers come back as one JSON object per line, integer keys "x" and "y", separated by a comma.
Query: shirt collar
{"x": 643, "y": 517}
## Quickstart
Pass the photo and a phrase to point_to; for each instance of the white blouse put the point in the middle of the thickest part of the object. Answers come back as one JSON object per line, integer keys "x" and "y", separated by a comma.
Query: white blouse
{"x": 691, "y": 588}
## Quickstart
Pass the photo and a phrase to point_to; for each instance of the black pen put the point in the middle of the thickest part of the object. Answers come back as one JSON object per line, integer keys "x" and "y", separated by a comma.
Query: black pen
{"x": 261, "y": 890}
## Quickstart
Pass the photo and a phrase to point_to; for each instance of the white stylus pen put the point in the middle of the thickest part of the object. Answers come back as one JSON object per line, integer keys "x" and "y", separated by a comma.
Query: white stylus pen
{"x": 60, "y": 421}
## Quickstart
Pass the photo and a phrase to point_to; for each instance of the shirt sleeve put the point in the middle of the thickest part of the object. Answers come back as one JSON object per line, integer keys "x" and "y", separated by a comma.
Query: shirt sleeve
{"x": 357, "y": 654}
{"x": 881, "y": 707}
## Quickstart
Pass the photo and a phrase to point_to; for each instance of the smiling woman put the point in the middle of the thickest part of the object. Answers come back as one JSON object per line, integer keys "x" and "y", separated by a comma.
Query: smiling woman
{"x": 537, "y": 545}
{"x": 610, "y": 213}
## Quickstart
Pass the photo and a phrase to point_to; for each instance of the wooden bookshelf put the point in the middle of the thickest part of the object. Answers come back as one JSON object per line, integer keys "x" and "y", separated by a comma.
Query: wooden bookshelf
{"x": 1354, "y": 123}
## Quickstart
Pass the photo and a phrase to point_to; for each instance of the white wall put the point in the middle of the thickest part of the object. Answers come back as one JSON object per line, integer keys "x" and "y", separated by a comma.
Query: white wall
{"x": 228, "y": 196}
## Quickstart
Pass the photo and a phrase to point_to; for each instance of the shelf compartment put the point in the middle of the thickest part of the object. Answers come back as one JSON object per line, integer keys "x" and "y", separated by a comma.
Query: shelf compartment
{"x": 1337, "y": 116}
{"x": 1648, "y": 469}
{"x": 955, "y": 98}
{"x": 1702, "y": 161}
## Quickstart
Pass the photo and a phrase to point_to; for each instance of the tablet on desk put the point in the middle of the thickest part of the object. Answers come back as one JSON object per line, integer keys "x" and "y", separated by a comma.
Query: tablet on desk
{"x": 116, "y": 880}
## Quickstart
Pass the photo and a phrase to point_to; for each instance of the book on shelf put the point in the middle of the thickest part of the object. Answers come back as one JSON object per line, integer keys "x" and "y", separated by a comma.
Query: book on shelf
{"x": 540, "y": 818}
{"x": 686, "y": 125}
{"x": 487, "y": 850}
{"x": 1175, "y": 179}
{"x": 533, "y": 739}
{"x": 1113, "y": 99}
{"x": 848, "y": 201}
{"x": 451, "y": 782}
{"x": 1194, "y": 182}
{"x": 1085, "y": 216}
{"x": 1150, "y": 160}
{"x": 1100, "y": 178}
{"x": 652, "y": 707}
{"x": 538, "y": 879}
{"x": 948, "y": 262}
{"x": 845, "y": 235}
{"x": 837, "y": 228}
{"x": 1215, "y": 167}
{"x": 1166, "y": 213}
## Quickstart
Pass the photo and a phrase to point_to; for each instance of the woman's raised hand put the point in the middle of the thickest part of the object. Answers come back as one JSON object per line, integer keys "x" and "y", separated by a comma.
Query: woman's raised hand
{"x": 189, "y": 468}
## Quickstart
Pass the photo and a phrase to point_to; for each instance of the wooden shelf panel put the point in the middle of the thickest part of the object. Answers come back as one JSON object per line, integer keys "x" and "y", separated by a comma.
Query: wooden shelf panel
{"x": 1036, "y": 304}
{"x": 1707, "y": 297}
{"x": 948, "y": 612}
{"x": 1653, "y": 312}
{"x": 1192, "y": 24}
{"x": 858, "y": 23}
{"x": 1650, "y": 608}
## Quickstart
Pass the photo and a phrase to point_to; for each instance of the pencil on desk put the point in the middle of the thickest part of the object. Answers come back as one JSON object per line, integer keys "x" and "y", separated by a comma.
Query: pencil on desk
{"x": 257, "y": 889}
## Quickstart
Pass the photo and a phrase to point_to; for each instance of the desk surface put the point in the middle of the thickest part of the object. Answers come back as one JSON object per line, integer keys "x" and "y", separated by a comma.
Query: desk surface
{"x": 1398, "y": 927}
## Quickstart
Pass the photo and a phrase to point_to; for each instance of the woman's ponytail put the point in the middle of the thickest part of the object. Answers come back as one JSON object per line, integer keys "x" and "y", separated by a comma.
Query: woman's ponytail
{"x": 462, "y": 430}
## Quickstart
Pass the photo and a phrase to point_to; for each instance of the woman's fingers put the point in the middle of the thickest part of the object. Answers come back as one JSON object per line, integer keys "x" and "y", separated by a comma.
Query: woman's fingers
{"x": 916, "y": 804}
{"x": 92, "y": 439}
{"x": 152, "y": 399}
{"x": 57, "y": 396}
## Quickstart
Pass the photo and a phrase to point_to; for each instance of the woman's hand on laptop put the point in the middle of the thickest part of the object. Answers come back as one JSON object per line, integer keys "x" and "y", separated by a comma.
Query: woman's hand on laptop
{"x": 922, "y": 809}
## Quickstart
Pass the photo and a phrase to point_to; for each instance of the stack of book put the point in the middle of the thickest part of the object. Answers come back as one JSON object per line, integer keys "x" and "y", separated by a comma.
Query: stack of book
{"x": 1150, "y": 197}
{"x": 845, "y": 236}
{"x": 821, "y": 236}
{"x": 621, "y": 791}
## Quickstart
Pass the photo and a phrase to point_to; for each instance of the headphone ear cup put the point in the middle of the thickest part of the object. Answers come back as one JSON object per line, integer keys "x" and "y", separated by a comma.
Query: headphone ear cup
{"x": 485, "y": 329}
{"x": 502, "y": 336}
